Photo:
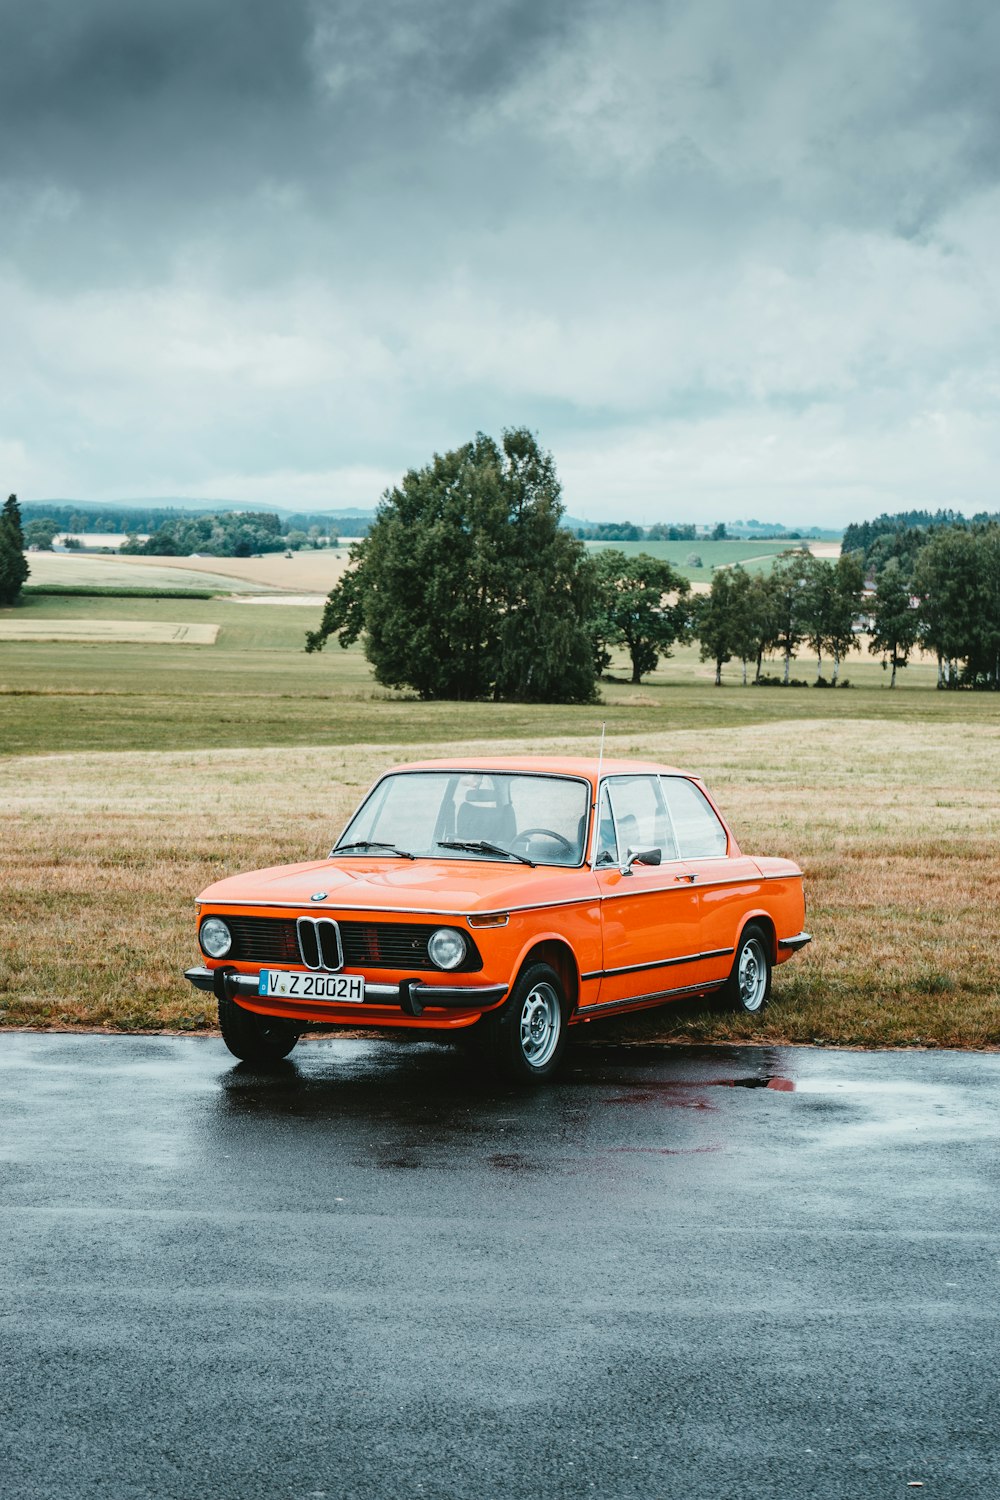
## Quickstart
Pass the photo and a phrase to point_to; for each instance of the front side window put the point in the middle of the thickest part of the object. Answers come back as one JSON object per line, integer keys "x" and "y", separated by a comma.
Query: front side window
{"x": 640, "y": 819}
{"x": 472, "y": 815}
{"x": 700, "y": 835}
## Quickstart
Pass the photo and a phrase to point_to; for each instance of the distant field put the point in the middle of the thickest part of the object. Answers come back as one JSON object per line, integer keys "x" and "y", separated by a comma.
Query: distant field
{"x": 308, "y": 572}
{"x": 257, "y": 687}
{"x": 109, "y": 632}
{"x": 129, "y": 572}
{"x": 755, "y": 556}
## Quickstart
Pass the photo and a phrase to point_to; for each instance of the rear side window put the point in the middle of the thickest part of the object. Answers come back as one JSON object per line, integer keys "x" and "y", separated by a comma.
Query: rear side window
{"x": 700, "y": 835}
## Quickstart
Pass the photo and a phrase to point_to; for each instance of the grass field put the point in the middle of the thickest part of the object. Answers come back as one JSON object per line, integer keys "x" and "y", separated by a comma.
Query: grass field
{"x": 132, "y": 775}
{"x": 74, "y": 568}
{"x": 307, "y": 572}
{"x": 755, "y": 556}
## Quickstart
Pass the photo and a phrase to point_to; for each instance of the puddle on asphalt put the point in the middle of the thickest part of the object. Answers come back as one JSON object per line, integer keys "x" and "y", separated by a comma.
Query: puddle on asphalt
{"x": 781, "y": 1085}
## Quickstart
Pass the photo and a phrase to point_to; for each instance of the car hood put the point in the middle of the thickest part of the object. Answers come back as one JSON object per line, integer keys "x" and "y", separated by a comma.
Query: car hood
{"x": 423, "y": 885}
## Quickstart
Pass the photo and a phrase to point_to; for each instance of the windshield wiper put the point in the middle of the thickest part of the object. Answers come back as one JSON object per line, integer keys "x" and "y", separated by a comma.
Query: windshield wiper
{"x": 482, "y": 846}
{"x": 371, "y": 844}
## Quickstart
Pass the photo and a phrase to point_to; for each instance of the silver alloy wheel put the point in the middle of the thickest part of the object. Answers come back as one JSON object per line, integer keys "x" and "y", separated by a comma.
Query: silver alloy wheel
{"x": 752, "y": 976}
{"x": 541, "y": 1023}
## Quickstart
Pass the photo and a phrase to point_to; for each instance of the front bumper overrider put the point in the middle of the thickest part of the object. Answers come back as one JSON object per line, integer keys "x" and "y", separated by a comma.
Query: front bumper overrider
{"x": 411, "y": 995}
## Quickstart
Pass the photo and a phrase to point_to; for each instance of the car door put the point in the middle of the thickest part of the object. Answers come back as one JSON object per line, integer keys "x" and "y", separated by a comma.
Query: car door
{"x": 728, "y": 884}
{"x": 649, "y": 915}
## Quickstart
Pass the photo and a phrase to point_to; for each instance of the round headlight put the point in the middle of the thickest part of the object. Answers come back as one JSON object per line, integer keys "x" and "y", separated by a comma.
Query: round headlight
{"x": 447, "y": 948}
{"x": 216, "y": 939}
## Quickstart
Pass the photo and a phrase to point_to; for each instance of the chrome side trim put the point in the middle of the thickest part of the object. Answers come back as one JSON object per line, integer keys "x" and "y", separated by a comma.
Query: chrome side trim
{"x": 659, "y": 963}
{"x": 586, "y": 1011}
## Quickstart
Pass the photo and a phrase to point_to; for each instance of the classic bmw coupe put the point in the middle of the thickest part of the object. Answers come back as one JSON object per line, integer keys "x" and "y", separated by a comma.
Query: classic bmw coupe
{"x": 506, "y": 899}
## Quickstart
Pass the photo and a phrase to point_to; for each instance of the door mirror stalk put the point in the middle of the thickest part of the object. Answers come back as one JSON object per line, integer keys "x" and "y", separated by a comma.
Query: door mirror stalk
{"x": 641, "y": 857}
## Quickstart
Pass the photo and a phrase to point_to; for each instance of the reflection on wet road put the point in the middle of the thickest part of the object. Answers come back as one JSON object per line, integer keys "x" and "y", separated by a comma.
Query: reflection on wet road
{"x": 693, "y": 1273}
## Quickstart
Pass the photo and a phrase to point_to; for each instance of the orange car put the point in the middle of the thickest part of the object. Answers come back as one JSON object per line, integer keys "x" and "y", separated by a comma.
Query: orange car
{"x": 505, "y": 898}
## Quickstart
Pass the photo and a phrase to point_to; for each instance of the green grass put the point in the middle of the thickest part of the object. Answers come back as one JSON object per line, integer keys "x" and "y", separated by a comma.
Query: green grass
{"x": 257, "y": 687}
{"x": 133, "y": 775}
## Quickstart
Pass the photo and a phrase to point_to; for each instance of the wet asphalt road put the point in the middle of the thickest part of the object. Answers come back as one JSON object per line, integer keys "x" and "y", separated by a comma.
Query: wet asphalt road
{"x": 700, "y": 1274}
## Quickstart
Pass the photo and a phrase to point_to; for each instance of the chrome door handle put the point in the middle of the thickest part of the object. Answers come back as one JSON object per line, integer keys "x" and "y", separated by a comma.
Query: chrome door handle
{"x": 691, "y": 878}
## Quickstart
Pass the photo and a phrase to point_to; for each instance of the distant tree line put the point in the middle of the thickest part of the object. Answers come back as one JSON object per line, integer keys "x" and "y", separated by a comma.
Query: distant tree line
{"x": 225, "y": 534}
{"x": 669, "y": 531}
{"x": 903, "y": 533}
{"x": 131, "y": 520}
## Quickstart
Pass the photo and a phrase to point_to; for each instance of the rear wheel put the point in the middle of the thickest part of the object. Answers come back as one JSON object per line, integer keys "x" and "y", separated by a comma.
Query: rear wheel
{"x": 748, "y": 987}
{"x": 253, "y": 1038}
{"x": 525, "y": 1039}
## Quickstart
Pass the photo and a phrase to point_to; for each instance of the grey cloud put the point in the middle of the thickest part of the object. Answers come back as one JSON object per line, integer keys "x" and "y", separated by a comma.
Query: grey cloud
{"x": 336, "y": 233}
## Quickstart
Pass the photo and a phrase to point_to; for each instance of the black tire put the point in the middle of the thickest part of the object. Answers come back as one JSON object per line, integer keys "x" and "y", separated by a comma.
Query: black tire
{"x": 525, "y": 1039}
{"x": 253, "y": 1038}
{"x": 748, "y": 987}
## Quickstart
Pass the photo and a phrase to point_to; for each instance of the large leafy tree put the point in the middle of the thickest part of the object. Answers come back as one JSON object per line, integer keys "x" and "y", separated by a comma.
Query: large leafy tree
{"x": 13, "y": 563}
{"x": 642, "y": 605}
{"x": 467, "y": 586}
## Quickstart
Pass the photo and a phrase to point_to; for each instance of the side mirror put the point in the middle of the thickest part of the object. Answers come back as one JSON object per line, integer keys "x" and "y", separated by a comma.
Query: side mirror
{"x": 641, "y": 857}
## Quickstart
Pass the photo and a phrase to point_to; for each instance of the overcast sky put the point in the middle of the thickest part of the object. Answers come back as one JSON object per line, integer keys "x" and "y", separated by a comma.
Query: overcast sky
{"x": 728, "y": 258}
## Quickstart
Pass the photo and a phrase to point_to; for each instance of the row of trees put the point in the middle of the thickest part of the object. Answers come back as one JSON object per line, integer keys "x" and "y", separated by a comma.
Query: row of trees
{"x": 134, "y": 519}
{"x": 943, "y": 598}
{"x": 467, "y": 586}
{"x": 803, "y": 600}
{"x": 226, "y": 534}
{"x": 675, "y": 531}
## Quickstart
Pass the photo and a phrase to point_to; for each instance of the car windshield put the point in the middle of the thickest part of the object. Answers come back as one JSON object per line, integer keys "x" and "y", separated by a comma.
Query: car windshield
{"x": 492, "y": 815}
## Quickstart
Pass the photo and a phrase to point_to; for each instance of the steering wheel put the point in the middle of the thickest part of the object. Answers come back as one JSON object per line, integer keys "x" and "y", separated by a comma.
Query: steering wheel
{"x": 549, "y": 833}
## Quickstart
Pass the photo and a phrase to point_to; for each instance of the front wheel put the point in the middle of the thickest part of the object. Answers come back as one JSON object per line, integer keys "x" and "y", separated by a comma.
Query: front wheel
{"x": 253, "y": 1038}
{"x": 748, "y": 987}
{"x": 526, "y": 1038}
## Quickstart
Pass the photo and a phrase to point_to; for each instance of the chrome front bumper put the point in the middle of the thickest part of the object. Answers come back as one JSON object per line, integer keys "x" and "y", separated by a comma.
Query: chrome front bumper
{"x": 412, "y": 995}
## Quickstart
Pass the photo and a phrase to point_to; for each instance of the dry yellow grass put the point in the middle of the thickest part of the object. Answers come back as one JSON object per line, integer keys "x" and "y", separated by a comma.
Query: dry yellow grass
{"x": 309, "y": 572}
{"x": 896, "y": 826}
{"x": 110, "y": 632}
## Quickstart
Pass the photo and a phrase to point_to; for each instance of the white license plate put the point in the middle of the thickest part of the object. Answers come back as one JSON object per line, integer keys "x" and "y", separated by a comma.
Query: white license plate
{"x": 348, "y": 989}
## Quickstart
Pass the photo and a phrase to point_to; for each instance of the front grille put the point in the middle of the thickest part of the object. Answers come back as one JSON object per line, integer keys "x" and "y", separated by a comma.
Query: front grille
{"x": 367, "y": 945}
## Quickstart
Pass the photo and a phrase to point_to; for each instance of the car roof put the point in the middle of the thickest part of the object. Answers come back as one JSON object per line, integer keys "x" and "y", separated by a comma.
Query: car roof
{"x": 561, "y": 765}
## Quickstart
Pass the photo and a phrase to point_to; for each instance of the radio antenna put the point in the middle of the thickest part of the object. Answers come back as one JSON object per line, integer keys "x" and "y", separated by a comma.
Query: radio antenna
{"x": 597, "y": 797}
